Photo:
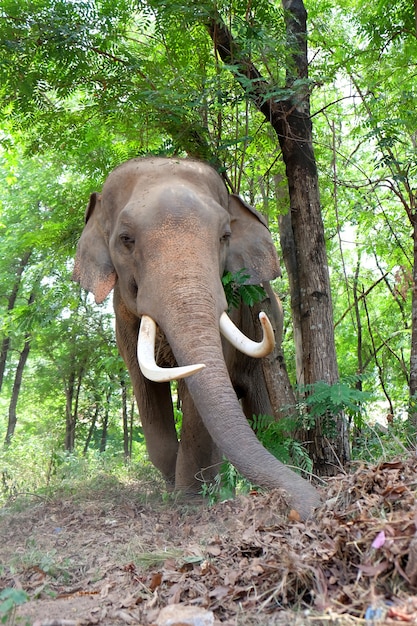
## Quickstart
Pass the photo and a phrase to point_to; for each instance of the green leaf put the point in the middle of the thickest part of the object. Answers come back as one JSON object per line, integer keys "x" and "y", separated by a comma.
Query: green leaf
{"x": 237, "y": 291}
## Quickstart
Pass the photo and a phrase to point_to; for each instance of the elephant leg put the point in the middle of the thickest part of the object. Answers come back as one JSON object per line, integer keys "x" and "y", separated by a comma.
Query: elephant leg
{"x": 246, "y": 373}
{"x": 153, "y": 399}
{"x": 155, "y": 409}
{"x": 198, "y": 457}
{"x": 250, "y": 385}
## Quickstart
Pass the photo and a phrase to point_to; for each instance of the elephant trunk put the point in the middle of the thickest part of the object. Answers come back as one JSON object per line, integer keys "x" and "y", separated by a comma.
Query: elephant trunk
{"x": 196, "y": 339}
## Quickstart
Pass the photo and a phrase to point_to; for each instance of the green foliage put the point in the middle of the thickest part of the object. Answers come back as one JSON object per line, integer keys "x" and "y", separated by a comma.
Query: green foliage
{"x": 238, "y": 291}
{"x": 225, "y": 485}
{"x": 374, "y": 442}
{"x": 37, "y": 466}
{"x": 322, "y": 400}
{"x": 276, "y": 436}
{"x": 9, "y": 600}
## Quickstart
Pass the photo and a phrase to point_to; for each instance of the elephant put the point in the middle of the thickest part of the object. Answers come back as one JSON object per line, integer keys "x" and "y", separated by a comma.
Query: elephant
{"x": 161, "y": 234}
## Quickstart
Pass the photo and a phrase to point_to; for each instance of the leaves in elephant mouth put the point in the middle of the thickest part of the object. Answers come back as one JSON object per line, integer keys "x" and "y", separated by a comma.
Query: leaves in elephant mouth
{"x": 237, "y": 291}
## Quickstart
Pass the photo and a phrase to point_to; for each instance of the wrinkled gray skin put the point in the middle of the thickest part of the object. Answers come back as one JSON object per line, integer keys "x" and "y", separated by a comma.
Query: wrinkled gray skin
{"x": 161, "y": 234}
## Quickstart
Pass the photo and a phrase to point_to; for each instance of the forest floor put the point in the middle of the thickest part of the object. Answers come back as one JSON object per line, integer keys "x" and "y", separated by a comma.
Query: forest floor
{"x": 115, "y": 554}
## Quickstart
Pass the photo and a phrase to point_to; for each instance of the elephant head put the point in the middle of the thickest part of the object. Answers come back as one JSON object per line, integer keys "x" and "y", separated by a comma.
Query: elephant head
{"x": 161, "y": 233}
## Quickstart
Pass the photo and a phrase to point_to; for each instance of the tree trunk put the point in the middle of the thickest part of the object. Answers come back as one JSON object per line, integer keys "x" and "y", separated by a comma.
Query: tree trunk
{"x": 359, "y": 348}
{"x": 294, "y": 129}
{"x": 70, "y": 419}
{"x": 288, "y": 249}
{"x": 131, "y": 421}
{"x": 11, "y": 424}
{"x": 328, "y": 450}
{"x": 413, "y": 353}
{"x": 103, "y": 441}
{"x": 125, "y": 421}
{"x": 72, "y": 394}
{"x": 10, "y": 306}
{"x": 357, "y": 430}
{"x": 91, "y": 430}
{"x": 291, "y": 121}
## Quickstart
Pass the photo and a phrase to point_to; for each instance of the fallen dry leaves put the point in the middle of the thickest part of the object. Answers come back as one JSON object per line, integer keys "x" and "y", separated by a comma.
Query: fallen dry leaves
{"x": 120, "y": 562}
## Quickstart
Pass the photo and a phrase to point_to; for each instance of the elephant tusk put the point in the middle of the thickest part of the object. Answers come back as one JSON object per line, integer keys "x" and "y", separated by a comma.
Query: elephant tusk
{"x": 146, "y": 356}
{"x": 243, "y": 343}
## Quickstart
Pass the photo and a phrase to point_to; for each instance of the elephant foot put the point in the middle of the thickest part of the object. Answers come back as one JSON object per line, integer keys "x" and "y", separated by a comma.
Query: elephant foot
{"x": 189, "y": 498}
{"x": 170, "y": 486}
{"x": 306, "y": 503}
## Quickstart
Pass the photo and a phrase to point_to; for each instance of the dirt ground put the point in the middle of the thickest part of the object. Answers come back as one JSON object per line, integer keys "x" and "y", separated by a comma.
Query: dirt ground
{"x": 116, "y": 554}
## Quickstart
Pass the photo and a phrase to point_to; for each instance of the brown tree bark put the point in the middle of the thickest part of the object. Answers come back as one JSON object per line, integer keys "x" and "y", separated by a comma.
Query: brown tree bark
{"x": 70, "y": 418}
{"x": 11, "y": 300}
{"x": 23, "y": 357}
{"x": 413, "y": 356}
{"x": 91, "y": 429}
{"x": 288, "y": 248}
{"x": 291, "y": 121}
{"x": 105, "y": 426}
{"x": 72, "y": 394}
{"x": 12, "y": 420}
{"x": 125, "y": 421}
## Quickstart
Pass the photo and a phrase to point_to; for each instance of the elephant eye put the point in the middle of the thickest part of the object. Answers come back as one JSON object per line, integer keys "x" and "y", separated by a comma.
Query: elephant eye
{"x": 226, "y": 236}
{"x": 127, "y": 240}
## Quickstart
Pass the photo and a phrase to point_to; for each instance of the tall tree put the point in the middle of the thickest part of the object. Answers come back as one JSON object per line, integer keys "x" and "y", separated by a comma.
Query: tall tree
{"x": 373, "y": 91}
{"x": 291, "y": 120}
{"x": 11, "y": 301}
{"x": 17, "y": 383}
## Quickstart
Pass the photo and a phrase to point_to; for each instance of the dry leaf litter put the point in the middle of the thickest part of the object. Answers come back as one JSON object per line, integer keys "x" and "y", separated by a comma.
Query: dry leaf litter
{"x": 112, "y": 561}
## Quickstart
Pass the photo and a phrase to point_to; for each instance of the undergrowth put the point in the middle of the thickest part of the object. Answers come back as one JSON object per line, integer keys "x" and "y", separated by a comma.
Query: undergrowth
{"x": 276, "y": 437}
{"x": 371, "y": 443}
{"x": 36, "y": 466}
{"x": 10, "y": 599}
{"x": 33, "y": 467}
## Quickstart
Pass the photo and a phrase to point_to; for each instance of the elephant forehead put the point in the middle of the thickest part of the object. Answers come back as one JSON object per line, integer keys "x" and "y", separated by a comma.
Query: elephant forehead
{"x": 184, "y": 199}
{"x": 182, "y": 231}
{"x": 170, "y": 207}
{"x": 154, "y": 172}
{"x": 182, "y": 246}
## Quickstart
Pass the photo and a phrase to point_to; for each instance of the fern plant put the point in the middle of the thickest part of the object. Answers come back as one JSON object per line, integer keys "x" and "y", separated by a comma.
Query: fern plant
{"x": 322, "y": 400}
{"x": 276, "y": 436}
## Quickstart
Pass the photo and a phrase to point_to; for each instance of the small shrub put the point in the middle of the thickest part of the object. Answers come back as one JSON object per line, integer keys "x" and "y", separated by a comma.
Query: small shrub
{"x": 10, "y": 599}
{"x": 226, "y": 484}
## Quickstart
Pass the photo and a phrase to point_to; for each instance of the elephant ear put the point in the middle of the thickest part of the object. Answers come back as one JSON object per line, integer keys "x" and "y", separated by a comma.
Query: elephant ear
{"x": 251, "y": 246}
{"x": 93, "y": 267}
